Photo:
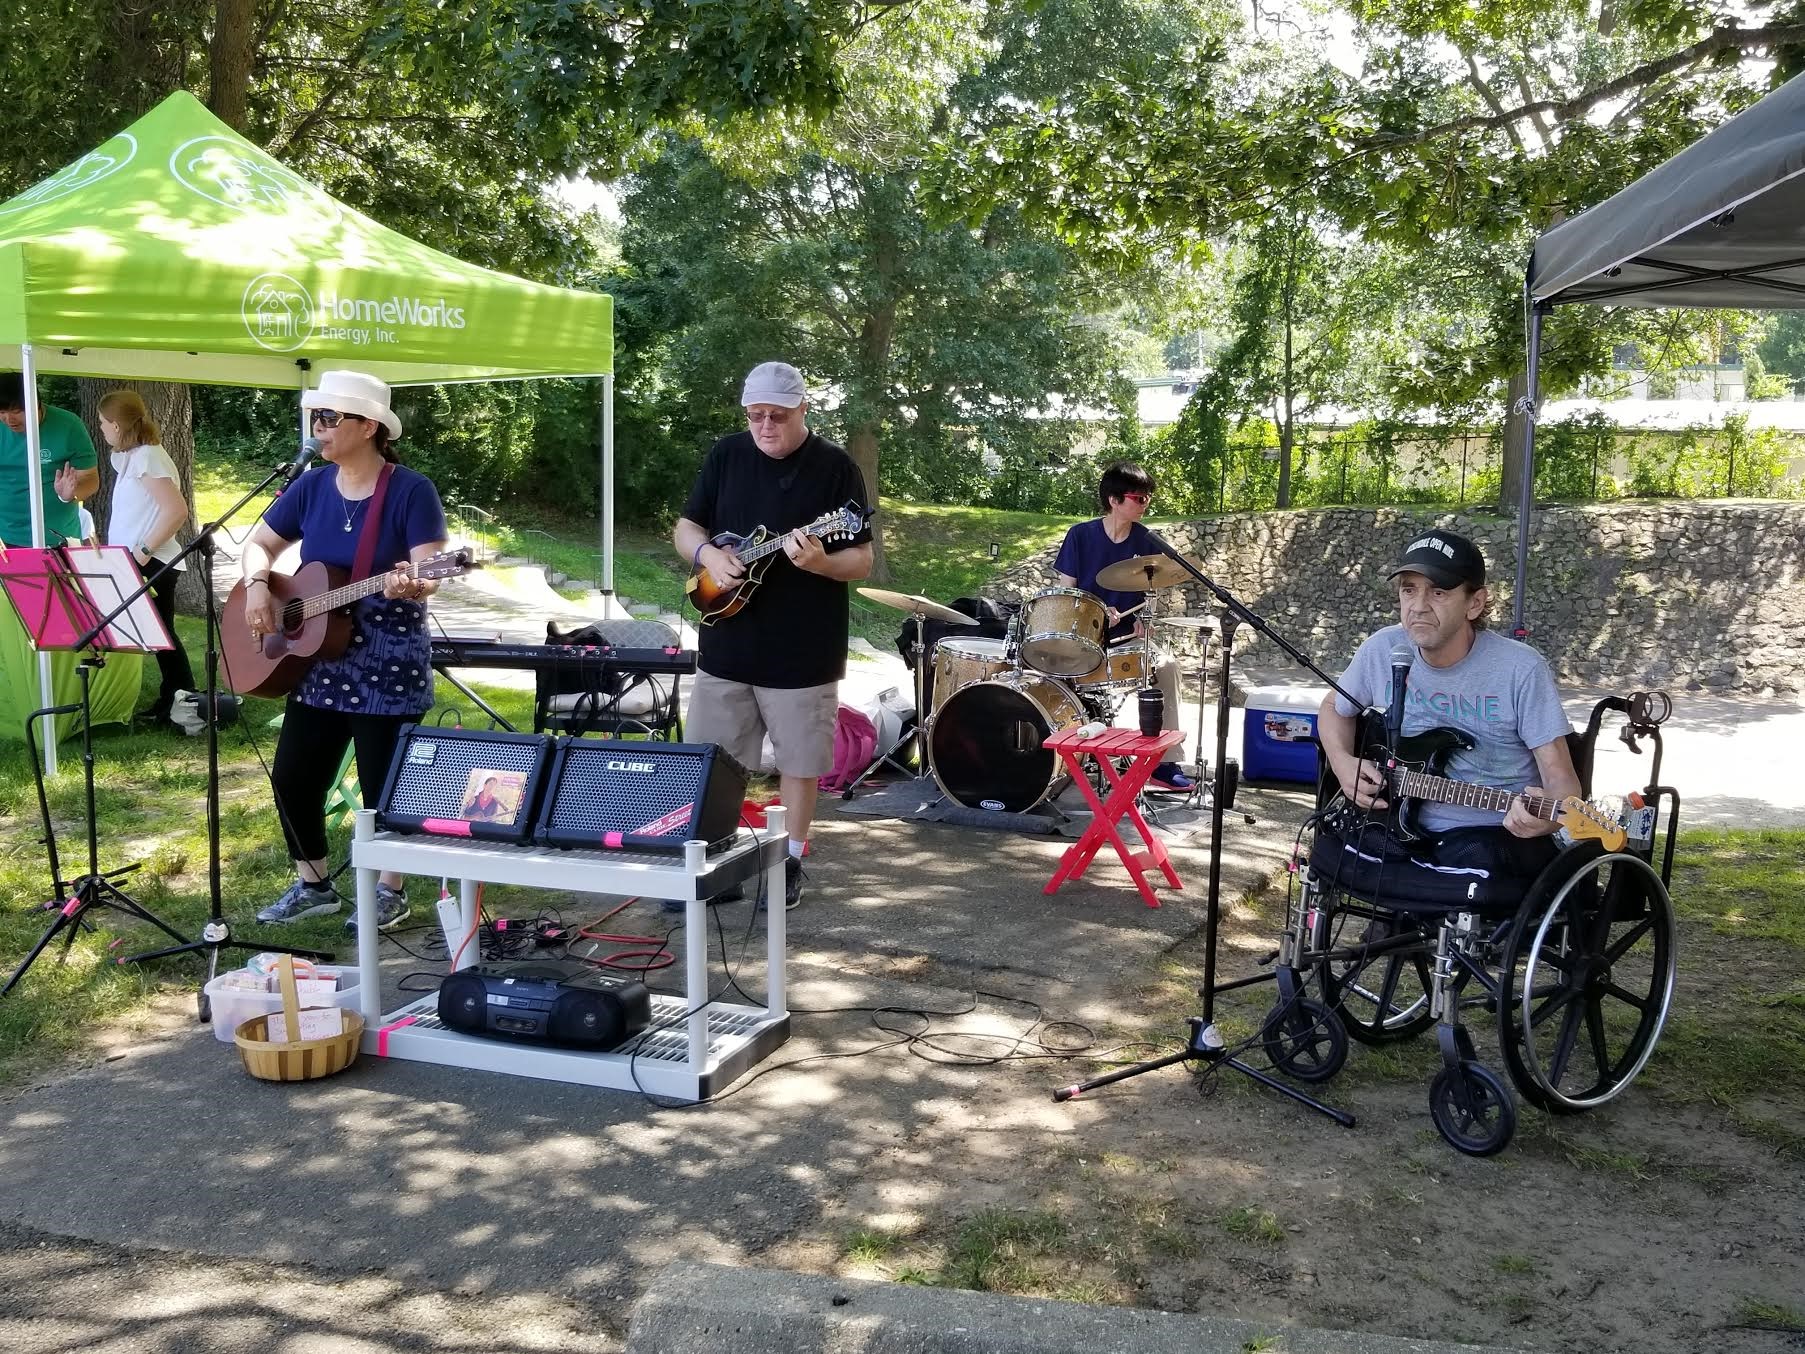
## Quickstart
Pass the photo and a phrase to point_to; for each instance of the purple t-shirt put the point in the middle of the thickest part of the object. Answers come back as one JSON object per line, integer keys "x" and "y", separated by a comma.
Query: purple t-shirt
{"x": 1087, "y": 550}
{"x": 387, "y": 668}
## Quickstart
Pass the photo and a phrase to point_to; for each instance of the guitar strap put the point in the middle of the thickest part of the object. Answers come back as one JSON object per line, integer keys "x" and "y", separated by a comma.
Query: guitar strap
{"x": 366, "y": 541}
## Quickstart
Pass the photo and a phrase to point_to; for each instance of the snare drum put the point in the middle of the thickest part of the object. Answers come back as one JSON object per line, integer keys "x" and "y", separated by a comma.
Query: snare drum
{"x": 1126, "y": 666}
{"x": 960, "y": 660}
{"x": 1065, "y": 632}
{"x": 985, "y": 743}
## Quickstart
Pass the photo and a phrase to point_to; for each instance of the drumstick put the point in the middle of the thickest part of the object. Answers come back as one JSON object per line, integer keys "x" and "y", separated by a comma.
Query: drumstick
{"x": 1123, "y": 615}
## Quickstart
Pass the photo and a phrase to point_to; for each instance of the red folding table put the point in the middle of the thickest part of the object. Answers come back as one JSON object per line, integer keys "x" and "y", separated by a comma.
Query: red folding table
{"x": 1143, "y": 754}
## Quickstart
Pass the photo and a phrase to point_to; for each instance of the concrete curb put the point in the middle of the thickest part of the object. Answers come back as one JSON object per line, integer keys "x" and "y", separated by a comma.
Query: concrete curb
{"x": 715, "y": 1309}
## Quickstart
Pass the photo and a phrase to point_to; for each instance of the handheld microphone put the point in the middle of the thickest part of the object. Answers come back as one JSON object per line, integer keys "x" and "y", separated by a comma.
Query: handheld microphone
{"x": 1401, "y": 659}
{"x": 292, "y": 472}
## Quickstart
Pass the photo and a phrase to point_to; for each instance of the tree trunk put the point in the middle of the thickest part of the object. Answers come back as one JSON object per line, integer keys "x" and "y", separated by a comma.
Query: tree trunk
{"x": 172, "y": 407}
{"x": 1516, "y": 438}
{"x": 861, "y": 445}
{"x": 1287, "y": 439}
{"x": 230, "y": 57}
{"x": 875, "y": 336}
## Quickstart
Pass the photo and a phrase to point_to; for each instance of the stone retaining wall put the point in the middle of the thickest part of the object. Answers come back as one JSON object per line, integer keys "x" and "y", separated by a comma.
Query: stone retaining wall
{"x": 1684, "y": 595}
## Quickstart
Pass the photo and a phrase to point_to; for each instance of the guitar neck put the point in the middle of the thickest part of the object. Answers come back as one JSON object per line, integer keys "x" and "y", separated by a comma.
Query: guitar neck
{"x": 1440, "y": 790}
{"x": 351, "y": 592}
{"x": 775, "y": 543}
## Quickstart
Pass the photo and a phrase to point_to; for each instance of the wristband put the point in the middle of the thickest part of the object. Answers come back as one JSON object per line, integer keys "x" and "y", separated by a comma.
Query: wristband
{"x": 250, "y": 581}
{"x": 695, "y": 561}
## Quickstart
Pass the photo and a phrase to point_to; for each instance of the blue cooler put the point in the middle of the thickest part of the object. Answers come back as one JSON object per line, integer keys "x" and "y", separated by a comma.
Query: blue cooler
{"x": 1278, "y": 740}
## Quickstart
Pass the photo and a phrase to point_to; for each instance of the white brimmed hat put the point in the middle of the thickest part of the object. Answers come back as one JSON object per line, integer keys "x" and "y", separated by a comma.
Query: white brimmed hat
{"x": 774, "y": 383}
{"x": 352, "y": 392}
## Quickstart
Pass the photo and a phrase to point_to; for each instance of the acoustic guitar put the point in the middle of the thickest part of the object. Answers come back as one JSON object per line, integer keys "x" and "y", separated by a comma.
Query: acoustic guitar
{"x": 315, "y": 605}
{"x": 1413, "y": 778}
{"x": 755, "y": 551}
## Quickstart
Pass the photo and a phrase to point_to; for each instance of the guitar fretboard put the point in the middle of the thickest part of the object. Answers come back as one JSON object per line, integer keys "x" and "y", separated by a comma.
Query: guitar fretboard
{"x": 776, "y": 542}
{"x": 338, "y": 597}
{"x": 1440, "y": 790}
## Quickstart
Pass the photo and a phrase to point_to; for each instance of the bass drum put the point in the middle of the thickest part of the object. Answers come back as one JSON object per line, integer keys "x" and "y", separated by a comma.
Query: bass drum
{"x": 984, "y": 744}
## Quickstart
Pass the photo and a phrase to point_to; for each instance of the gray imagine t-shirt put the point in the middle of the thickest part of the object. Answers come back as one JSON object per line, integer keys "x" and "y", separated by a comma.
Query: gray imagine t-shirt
{"x": 1501, "y": 693}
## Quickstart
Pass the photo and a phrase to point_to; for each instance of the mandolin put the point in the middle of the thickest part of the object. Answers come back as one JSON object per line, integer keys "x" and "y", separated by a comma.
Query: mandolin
{"x": 315, "y": 605}
{"x": 1413, "y": 777}
{"x": 755, "y": 551}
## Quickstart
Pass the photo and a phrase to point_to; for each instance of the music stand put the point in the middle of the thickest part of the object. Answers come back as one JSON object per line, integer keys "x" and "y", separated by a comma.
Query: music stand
{"x": 79, "y": 598}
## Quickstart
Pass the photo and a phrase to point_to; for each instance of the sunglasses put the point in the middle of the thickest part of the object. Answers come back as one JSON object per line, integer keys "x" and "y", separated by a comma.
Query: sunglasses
{"x": 782, "y": 416}
{"x": 331, "y": 418}
{"x": 1142, "y": 499}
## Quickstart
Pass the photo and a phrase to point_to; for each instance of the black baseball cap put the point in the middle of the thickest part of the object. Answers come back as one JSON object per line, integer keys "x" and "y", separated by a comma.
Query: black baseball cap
{"x": 1445, "y": 559}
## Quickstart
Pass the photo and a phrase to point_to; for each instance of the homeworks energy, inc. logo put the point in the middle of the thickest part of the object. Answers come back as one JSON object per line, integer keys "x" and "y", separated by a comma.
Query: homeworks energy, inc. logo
{"x": 281, "y": 314}
{"x": 278, "y": 312}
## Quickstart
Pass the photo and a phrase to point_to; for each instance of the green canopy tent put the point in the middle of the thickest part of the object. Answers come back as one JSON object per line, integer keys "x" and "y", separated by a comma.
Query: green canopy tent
{"x": 179, "y": 251}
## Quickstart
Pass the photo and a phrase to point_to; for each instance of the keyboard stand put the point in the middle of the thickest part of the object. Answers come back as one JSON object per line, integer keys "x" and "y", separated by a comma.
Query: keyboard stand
{"x": 693, "y": 1049}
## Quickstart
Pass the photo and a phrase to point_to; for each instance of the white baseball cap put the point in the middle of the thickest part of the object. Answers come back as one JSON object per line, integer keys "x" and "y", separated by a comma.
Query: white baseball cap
{"x": 774, "y": 383}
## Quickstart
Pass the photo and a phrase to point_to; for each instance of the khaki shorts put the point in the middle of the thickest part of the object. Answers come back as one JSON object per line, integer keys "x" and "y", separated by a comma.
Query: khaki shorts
{"x": 800, "y": 721}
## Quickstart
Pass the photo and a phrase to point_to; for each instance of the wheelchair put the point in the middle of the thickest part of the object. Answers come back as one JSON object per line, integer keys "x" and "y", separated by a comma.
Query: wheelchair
{"x": 1576, "y": 973}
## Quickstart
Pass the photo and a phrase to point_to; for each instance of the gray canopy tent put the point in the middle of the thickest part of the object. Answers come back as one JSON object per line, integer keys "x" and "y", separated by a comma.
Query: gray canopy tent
{"x": 1719, "y": 226}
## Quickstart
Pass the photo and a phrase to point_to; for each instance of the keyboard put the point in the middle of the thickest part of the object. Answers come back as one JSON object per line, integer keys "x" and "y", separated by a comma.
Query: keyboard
{"x": 480, "y": 653}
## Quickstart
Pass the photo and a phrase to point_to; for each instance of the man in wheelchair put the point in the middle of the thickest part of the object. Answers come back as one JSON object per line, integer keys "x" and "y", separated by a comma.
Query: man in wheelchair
{"x": 1436, "y": 885}
{"x": 1509, "y": 734}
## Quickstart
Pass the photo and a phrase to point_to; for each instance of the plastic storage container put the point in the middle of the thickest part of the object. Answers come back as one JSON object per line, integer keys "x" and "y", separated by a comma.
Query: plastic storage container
{"x": 233, "y": 1006}
{"x": 1278, "y": 740}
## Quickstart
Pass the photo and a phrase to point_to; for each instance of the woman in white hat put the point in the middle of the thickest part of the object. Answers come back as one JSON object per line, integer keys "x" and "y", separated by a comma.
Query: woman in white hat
{"x": 384, "y": 678}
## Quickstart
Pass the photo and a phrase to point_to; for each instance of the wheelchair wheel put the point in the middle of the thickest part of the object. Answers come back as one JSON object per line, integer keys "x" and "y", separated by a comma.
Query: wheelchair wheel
{"x": 1587, "y": 981}
{"x": 1383, "y": 997}
{"x": 1304, "y": 1039}
{"x": 1473, "y": 1109}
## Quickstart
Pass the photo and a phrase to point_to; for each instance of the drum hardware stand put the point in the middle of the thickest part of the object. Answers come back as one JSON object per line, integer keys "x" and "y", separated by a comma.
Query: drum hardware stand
{"x": 1204, "y": 1042}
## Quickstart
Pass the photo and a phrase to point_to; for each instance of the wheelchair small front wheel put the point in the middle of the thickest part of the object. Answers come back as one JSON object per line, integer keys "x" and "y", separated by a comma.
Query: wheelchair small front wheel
{"x": 1304, "y": 1039}
{"x": 1473, "y": 1109}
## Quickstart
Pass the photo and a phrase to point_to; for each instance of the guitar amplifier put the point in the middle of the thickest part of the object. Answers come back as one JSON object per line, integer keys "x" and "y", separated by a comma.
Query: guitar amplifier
{"x": 648, "y": 796}
{"x": 479, "y": 783}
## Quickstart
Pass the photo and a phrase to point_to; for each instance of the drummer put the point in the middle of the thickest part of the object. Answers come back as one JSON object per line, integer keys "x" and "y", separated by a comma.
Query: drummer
{"x": 1125, "y": 492}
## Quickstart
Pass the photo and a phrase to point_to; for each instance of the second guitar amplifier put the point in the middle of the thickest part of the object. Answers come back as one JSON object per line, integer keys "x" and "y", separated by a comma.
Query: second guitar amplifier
{"x": 634, "y": 796}
{"x": 476, "y": 783}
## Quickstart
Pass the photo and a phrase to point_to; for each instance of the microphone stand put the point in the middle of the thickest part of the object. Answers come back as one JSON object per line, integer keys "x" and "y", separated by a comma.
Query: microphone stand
{"x": 216, "y": 934}
{"x": 1205, "y": 1043}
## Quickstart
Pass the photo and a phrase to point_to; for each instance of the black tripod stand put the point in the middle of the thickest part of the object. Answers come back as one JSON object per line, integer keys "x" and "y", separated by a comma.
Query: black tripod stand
{"x": 1205, "y": 1043}
{"x": 216, "y": 933}
{"x": 96, "y": 888}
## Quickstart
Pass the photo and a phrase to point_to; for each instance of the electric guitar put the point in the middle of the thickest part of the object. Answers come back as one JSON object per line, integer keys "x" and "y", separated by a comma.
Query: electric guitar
{"x": 1413, "y": 778}
{"x": 714, "y": 602}
{"x": 314, "y": 603}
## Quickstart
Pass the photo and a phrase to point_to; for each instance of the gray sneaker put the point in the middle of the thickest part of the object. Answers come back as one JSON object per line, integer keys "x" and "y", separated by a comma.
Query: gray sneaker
{"x": 391, "y": 910}
{"x": 301, "y": 900}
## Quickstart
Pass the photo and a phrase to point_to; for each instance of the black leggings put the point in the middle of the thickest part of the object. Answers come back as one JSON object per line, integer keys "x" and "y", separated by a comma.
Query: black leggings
{"x": 171, "y": 663}
{"x": 307, "y": 757}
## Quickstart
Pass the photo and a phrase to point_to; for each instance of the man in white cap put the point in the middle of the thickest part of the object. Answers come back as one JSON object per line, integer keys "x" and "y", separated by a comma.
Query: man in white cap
{"x": 775, "y": 667}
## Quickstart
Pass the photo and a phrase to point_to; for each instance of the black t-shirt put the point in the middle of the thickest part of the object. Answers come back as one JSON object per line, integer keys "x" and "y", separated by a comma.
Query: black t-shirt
{"x": 793, "y": 631}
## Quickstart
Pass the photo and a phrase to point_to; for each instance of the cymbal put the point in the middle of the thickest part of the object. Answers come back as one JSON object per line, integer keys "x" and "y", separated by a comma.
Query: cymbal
{"x": 1189, "y": 622}
{"x": 1131, "y": 575}
{"x": 917, "y": 606}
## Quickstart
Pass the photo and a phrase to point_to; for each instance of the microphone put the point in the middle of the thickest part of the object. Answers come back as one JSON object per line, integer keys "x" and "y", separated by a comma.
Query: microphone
{"x": 1401, "y": 659}
{"x": 292, "y": 471}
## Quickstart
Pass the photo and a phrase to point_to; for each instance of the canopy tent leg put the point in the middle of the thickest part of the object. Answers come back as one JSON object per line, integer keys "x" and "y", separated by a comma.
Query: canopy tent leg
{"x": 1519, "y": 629}
{"x": 608, "y": 599}
{"x": 34, "y": 481}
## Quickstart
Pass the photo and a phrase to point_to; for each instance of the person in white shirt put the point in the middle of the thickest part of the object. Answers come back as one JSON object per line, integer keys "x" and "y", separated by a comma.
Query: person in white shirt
{"x": 148, "y": 510}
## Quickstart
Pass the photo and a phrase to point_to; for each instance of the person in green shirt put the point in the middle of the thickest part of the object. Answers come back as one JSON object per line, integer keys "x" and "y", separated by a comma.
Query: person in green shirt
{"x": 67, "y": 462}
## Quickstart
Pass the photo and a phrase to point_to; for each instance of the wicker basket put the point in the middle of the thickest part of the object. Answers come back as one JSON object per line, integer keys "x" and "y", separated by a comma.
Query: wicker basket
{"x": 298, "y": 1059}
